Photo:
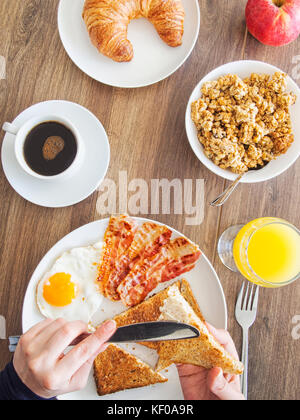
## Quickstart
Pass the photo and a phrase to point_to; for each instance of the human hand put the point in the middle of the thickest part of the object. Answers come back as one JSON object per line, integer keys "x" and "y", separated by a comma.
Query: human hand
{"x": 199, "y": 383}
{"x": 40, "y": 362}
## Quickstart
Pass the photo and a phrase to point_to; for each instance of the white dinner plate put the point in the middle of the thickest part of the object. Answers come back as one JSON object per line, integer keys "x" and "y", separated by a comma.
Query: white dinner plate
{"x": 153, "y": 59}
{"x": 204, "y": 283}
{"x": 243, "y": 69}
{"x": 70, "y": 191}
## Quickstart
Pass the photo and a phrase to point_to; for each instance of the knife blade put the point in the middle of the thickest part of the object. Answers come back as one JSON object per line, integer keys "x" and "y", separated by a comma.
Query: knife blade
{"x": 154, "y": 331}
{"x": 144, "y": 331}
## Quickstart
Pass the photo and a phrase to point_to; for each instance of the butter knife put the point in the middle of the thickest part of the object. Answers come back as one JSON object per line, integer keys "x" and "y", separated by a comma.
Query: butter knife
{"x": 154, "y": 331}
{"x": 145, "y": 331}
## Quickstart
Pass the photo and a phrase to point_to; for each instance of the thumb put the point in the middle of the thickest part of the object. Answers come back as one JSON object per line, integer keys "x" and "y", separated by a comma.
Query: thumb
{"x": 219, "y": 386}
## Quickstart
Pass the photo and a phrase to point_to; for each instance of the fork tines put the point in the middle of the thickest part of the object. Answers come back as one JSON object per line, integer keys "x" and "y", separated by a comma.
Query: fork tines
{"x": 246, "y": 302}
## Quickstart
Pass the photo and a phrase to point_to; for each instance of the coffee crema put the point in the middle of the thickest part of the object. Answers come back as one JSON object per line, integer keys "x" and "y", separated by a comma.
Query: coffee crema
{"x": 50, "y": 148}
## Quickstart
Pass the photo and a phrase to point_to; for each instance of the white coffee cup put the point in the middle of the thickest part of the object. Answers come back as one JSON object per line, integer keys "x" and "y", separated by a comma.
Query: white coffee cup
{"x": 20, "y": 135}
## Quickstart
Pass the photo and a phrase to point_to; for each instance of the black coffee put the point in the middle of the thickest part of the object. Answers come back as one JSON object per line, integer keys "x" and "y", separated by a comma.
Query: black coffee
{"x": 50, "y": 148}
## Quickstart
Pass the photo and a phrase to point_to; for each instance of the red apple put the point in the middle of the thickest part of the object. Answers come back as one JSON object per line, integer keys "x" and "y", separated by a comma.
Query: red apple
{"x": 273, "y": 22}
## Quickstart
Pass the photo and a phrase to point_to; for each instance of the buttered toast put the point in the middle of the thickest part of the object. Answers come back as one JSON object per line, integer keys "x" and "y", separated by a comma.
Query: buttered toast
{"x": 177, "y": 302}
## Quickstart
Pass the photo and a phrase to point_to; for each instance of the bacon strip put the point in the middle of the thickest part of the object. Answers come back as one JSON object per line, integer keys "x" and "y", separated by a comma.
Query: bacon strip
{"x": 117, "y": 239}
{"x": 147, "y": 242}
{"x": 175, "y": 258}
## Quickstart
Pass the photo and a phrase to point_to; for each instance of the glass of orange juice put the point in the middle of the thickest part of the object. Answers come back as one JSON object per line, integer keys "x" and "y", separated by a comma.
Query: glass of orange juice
{"x": 266, "y": 251}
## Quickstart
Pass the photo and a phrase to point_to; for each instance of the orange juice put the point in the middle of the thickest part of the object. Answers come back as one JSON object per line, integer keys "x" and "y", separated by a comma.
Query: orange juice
{"x": 267, "y": 252}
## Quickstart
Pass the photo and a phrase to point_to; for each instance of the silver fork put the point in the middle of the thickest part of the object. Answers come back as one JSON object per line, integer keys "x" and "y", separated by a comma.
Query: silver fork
{"x": 245, "y": 314}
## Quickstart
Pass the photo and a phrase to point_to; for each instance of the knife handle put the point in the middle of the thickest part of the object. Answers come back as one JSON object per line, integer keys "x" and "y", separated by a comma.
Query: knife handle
{"x": 14, "y": 340}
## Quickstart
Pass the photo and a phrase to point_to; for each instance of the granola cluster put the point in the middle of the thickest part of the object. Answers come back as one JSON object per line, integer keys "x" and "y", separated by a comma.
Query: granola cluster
{"x": 244, "y": 124}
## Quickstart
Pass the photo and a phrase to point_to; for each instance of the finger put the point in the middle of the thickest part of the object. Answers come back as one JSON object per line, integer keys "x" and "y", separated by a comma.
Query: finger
{"x": 80, "y": 378}
{"x": 224, "y": 338}
{"x": 36, "y": 329}
{"x": 80, "y": 354}
{"x": 61, "y": 337}
{"x": 45, "y": 333}
{"x": 188, "y": 370}
{"x": 218, "y": 385}
{"x": 229, "y": 377}
{"x": 30, "y": 341}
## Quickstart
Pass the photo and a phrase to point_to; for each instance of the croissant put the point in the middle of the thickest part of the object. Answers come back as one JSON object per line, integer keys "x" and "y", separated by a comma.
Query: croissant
{"x": 107, "y": 23}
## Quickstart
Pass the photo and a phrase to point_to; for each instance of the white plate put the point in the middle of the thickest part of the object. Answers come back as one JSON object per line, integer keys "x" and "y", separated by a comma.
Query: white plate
{"x": 153, "y": 59}
{"x": 203, "y": 280}
{"x": 276, "y": 167}
{"x": 61, "y": 193}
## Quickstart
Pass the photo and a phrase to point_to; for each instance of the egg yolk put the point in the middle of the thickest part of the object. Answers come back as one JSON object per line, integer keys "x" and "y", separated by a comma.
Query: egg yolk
{"x": 59, "y": 290}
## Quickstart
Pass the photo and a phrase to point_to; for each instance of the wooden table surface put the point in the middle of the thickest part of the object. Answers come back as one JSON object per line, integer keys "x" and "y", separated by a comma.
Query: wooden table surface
{"x": 38, "y": 69}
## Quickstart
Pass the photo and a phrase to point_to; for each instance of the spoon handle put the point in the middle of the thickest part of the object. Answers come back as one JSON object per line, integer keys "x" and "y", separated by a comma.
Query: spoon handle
{"x": 219, "y": 201}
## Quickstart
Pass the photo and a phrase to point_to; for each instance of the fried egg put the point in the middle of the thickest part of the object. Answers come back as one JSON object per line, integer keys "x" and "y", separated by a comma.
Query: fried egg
{"x": 68, "y": 290}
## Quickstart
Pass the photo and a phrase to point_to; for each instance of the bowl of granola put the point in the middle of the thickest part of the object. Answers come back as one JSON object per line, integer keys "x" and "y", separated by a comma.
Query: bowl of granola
{"x": 242, "y": 119}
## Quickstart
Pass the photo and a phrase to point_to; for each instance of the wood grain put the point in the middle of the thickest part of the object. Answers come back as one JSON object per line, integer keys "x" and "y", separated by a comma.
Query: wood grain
{"x": 147, "y": 136}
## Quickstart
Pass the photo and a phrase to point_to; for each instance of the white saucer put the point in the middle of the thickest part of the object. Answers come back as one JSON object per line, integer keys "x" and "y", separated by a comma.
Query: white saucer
{"x": 61, "y": 193}
{"x": 153, "y": 59}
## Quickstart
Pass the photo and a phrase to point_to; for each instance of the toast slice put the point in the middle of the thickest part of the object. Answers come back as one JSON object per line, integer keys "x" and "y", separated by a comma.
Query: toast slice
{"x": 116, "y": 370}
{"x": 203, "y": 351}
{"x": 147, "y": 311}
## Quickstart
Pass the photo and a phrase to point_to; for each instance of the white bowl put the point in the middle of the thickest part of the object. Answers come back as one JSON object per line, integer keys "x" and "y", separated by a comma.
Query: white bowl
{"x": 274, "y": 168}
